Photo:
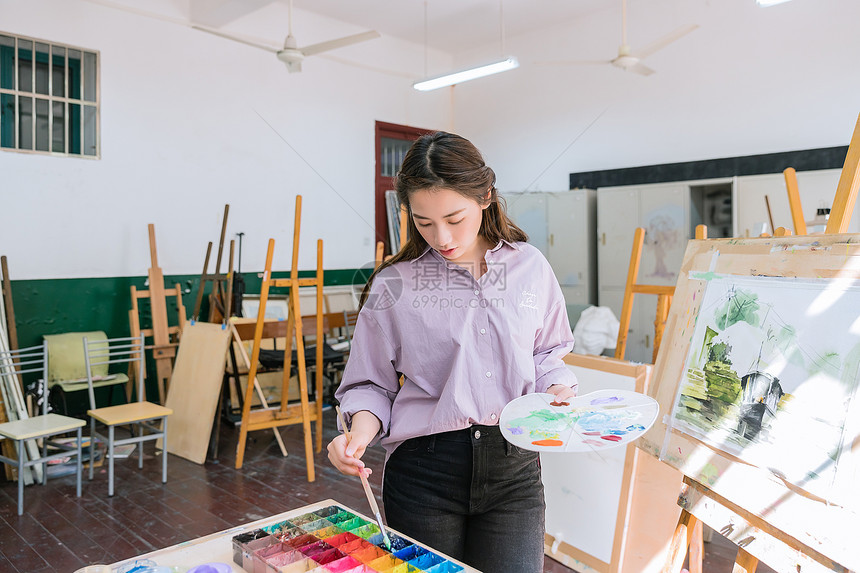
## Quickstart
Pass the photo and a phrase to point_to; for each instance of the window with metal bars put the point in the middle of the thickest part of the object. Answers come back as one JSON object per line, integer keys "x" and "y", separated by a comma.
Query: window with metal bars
{"x": 49, "y": 97}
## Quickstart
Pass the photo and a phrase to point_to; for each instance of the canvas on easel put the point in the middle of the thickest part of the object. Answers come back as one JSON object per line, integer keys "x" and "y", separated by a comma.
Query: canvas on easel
{"x": 759, "y": 393}
{"x": 761, "y": 400}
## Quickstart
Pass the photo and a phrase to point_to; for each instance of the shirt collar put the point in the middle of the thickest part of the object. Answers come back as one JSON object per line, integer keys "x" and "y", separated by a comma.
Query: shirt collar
{"x": 498, "y": 246}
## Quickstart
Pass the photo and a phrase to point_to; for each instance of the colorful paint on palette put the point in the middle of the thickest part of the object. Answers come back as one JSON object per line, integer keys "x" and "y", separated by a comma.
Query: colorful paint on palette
{"x": 287, "y": 548}
{"x": 606, "y": 417}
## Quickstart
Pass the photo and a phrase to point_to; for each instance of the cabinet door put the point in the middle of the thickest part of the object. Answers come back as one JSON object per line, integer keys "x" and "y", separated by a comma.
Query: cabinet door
{"x": 664, "y": 213}
{"x": 617, "y": 218}
{"x": 528, "y": 211}
{"x": 567, "y": 214}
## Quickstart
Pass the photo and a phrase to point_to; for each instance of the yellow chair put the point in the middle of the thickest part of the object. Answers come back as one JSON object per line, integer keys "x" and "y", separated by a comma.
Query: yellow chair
{"x": 33, "y": 360}
{"x": 67, "y": 375}
{"x": 147, "y": 420}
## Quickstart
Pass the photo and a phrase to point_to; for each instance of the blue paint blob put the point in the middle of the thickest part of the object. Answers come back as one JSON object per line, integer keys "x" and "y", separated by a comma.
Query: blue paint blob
{"x": 635, "y": 428}
{"x": 607, "y": 400}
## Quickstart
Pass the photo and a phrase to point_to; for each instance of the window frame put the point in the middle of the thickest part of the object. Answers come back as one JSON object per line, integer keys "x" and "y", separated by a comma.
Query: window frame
{"x": 16, "y": 94}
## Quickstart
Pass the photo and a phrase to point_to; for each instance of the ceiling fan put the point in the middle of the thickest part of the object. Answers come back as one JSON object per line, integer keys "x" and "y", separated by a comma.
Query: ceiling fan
{"x": 629, "y": 60}
{"x": 290, "y": 54}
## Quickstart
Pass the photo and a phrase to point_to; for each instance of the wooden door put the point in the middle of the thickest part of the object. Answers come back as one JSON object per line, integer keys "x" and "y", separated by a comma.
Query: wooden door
{"x": 392, "y": 141}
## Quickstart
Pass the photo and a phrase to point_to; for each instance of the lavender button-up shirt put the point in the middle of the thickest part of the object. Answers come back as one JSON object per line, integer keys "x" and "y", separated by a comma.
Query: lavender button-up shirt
{"x": 465, "y": 347}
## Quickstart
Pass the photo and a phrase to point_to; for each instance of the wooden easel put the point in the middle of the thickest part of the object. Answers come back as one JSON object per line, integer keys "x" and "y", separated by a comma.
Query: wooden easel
{"x": 165, "y": 339}
{"x": 715, "y": 507}
{"x": 632, "y": 288}
{"x": 287, "y": 414}
{"x": 221, "y": 297}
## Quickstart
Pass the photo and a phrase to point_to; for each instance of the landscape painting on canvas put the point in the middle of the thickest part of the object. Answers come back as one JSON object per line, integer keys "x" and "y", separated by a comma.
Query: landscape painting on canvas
{"x": 772, "y": 368}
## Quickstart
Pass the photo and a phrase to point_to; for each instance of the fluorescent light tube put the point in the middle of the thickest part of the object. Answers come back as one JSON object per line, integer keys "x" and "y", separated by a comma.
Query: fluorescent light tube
{"x": 466, "y": 75}
{"x": 766, "y": 3}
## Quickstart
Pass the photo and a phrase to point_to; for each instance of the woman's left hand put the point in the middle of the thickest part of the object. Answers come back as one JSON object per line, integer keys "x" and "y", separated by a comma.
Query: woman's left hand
{"x": 561, "y": 392}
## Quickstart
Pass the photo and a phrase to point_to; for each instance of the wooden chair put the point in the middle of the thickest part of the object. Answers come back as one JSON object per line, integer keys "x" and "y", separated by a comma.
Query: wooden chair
{"x": 148, "y": 420}
{"x": 33, "y": 360}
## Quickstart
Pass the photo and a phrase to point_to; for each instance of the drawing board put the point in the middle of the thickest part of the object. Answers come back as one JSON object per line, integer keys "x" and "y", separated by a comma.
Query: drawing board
{"x": 612, "y": 510}
{"x": 758, "y": 378}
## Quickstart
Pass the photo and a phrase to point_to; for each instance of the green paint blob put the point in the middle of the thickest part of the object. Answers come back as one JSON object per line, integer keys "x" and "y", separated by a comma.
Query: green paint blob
{"x": 742, "y": 306}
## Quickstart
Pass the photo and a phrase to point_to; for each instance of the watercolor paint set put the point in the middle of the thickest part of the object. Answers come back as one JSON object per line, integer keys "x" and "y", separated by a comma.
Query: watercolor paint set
{"x": 332, "y": 540}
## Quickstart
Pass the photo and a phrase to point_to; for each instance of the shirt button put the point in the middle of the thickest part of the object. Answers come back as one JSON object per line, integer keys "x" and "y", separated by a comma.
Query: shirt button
{"x": 477, "y": 292}
{"x": 492, "y": 416}
{"x": 488, "y": 374}
{"x": 477, "y": 434}
{"x": 483, "y": 331}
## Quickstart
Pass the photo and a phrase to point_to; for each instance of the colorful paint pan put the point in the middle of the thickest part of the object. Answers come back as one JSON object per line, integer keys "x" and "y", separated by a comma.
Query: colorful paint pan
{"x": 341, "y": 516}
{"x": 354, "y": 546}
{"x": 306, "y": 518}
{"x": 275, "y": 527}
{"x": 426, "y": 561}
{"x": 385, "y": 562}
{"x": 312, "y": 526}
{"x": 445, "y": 567}
{"x": 328, "y": 511}
{"x": 397, "y": 542}
{"x": 343, "y": 564}
{"x": 353, "y": 523}
{"x": 341, "y": 539}
{"x": 366, "y": 531}
{"x": 368, "y": 554}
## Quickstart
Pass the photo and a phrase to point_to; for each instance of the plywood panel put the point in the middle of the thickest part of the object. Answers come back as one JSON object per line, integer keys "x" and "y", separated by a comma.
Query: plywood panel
{"x": 195, "y": 388}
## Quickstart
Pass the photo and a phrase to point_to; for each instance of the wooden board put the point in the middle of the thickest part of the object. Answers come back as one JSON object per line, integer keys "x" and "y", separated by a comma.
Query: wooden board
{"x": 615, "y": 510}
{"x": 195, "y": 388}
{"x": 783, "y": 509}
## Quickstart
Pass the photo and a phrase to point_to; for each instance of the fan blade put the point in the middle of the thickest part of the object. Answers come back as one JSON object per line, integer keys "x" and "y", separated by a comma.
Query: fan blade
{"x": 339, "y": 43}
{"x": 665, "y": 41}
{"x": 640, "y": 69}
{"x": 242, "y": 40}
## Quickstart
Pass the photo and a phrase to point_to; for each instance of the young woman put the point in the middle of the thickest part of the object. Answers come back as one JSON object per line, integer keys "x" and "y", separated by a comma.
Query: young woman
{"x": 471, "y": 316}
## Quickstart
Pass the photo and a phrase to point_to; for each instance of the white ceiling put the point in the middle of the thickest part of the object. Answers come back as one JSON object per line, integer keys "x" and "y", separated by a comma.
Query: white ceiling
{"x": 457, "y": 26}
{"x": 452, "y": 26}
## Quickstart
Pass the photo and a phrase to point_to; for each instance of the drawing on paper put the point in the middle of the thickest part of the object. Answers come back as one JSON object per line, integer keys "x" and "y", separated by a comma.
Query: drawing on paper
{"x": 595, "y": 421}
{"x": 772, "y": 367}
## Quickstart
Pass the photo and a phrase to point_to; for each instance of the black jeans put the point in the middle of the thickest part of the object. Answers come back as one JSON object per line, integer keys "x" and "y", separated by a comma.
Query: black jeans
{"x": 469, "y": 494}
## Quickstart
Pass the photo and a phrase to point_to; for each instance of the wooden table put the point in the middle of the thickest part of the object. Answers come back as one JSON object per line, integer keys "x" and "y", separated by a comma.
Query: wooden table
{"x": 218, "y": 547}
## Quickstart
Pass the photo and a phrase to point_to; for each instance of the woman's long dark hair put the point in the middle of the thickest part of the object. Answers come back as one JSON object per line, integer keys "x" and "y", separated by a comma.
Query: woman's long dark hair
{"x": 446, "y": 161}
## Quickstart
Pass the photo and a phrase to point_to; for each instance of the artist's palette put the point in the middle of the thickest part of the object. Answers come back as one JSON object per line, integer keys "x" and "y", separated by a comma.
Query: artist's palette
{"x": 333, "y": 540}
{"x": 593, "y": 422}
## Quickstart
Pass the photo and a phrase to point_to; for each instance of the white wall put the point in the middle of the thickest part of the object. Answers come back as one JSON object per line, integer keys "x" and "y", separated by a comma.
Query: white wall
{"x": 184, "y": 131}
{"x": 181, "y": 134}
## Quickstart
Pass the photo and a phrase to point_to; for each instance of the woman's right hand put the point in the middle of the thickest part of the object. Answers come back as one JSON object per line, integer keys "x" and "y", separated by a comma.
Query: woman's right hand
{"x": 345, "y": 454}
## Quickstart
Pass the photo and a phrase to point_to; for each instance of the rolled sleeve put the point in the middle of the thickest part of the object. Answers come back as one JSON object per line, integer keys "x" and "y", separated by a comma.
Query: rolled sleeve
{"x": 553, "y": 342}
{"x": 370, "y": 380}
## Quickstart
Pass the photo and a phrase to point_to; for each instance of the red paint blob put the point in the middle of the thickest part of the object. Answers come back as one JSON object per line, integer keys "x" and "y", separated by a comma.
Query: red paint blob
{"x": 612, "y": 438}
{"x": 548, "y": 443}
{"x": 591, "y": 433}
{"x": 554, "y": 403}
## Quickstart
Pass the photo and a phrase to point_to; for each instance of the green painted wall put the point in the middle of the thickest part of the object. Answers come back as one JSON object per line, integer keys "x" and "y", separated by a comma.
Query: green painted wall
{"x": 53, "y": 306}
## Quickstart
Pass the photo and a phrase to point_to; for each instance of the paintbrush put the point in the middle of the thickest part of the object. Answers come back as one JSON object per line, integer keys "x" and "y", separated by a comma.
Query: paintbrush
{"x": 373, "y": 506}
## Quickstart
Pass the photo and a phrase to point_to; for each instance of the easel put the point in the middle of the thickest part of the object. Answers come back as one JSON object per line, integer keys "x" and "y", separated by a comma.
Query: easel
{"x": 221, "y": 298}
{"x": 664, "y": 301}
{"x": 296, "y": 413}
{"x": 632, "y": 288}
{"x": 716, "y": 507}
{"x": 165, "y": 338}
